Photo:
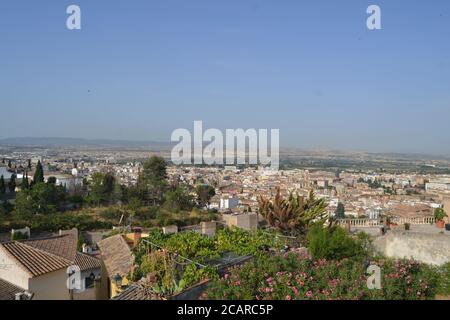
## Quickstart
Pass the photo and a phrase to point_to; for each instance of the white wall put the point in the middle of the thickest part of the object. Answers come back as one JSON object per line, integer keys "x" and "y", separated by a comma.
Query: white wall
{"x": 11, "y": 272}
{"x": 51, "y": 286}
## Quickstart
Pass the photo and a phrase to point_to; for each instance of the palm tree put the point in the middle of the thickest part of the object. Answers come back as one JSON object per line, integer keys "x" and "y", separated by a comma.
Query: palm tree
{"x": 295, "y": 214}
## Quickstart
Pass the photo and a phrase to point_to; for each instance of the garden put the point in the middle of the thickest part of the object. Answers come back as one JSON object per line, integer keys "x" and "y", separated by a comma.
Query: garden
{"x": 177, "y": 261}
{"x": 326, "y": 262}
{"x": 333, "y": 268}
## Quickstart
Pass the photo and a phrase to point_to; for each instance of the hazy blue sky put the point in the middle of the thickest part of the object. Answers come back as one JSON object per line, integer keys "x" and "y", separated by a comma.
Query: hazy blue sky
{"x": 140, "y": 69}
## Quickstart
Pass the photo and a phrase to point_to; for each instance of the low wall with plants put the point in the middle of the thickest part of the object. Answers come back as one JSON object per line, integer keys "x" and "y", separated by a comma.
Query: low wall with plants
{"x": 427, "y": 248}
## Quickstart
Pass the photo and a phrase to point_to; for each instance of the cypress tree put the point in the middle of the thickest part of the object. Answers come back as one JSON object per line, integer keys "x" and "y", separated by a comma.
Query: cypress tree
{"x": 29, "y": 164}
{"x": 12, "y": 183}
{"x": 2, "y": 186}
{"x": 38, "y": 174}
{"x": 25, "y": 185}
{"x": 340, "y": 211}
{"x": 9, "y": 164}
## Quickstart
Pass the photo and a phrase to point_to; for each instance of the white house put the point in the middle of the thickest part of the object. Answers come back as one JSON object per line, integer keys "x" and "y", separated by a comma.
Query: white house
{"x": 229, "y": 203}
{"x": 39, "y": 267}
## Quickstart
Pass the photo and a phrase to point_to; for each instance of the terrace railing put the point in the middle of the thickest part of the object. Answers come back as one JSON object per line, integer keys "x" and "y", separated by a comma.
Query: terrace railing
{"x": 367, "y": 223}
{"x": 419, "y": 220}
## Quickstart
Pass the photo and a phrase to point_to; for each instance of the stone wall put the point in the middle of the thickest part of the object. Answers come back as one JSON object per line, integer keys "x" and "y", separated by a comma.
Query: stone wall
{"x": 427, "y": 248}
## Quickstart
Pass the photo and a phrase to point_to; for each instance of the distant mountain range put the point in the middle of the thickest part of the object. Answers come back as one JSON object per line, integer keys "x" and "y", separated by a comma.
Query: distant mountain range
{"x": 58, "y": 142}
{"x": 78, "y": 142}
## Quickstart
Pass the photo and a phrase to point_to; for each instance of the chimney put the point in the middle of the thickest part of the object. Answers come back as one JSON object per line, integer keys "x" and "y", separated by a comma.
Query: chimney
{"x": 137, "y": 235}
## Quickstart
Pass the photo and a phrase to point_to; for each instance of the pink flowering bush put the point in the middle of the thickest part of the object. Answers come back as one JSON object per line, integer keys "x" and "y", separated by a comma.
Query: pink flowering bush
{"x": 294, "y": 277}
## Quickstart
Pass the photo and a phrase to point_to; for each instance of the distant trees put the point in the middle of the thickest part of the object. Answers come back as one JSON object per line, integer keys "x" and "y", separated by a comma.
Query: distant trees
{"x": 103, "y": 189}
{"x": 340, "y": 211}
{"x": 152, "y": 180}
{"x": 24, "y": 204}
{"x": 179, "y": 199}
{"x": 42, "y": 198}
{"x": 204, "y": 194}
{"x": 97, "y": 189}
{"x": 374, "y": 184}
{"x": 9, "y": 164}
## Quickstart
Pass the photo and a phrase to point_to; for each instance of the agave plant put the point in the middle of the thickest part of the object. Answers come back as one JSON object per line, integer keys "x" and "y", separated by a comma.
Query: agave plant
{"x": 295, "y": 214}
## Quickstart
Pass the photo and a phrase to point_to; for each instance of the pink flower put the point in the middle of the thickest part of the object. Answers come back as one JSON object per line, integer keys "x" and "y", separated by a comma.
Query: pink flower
{"x": 269, "y": 279}
{"x": 309, "y": 294}
{"x": 288, "y": 297}
{"x": 227, "y": 276}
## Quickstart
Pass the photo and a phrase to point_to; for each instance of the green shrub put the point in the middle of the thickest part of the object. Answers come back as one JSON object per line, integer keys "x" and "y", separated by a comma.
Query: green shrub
{"x": 444, "y": 280}
{"x": 334, "y": 244}
{"x": 19, "y": 236}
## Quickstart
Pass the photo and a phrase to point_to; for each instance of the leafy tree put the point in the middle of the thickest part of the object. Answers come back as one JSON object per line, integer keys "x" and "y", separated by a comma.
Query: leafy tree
{"x": 97, "y": 189}
{"x": 102, "y": 189}
{"x": 109, "y": 182}
{"x": 153, "y": 179}
{"x": 12, "y": 183}
{"x": 179, "y": 199}
{"x": 6, "y": 208}
{"x": 134, "y": 204}
{"x": 204, "y": 194}
{"x": 293, "y": 215}
{"x": 117, "y": 193}
{"x": 25, "y": 207}
{"x": 47, "y": 197}
{"x": 2, "y": 186}
{"x": 340, "y": 211}
{"x": 38, "y": 174}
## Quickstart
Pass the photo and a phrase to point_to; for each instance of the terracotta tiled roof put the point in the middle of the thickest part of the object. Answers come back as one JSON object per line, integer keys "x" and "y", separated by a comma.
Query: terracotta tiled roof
{"x": 86, "y": 262}
{"x": 64, "y": 246}
{"x": 35, "y": 261}
{"x": 8, "y": 290}
{"x": 137, "y": 292}
{"x": 41, "y": 256}
{"x": 116, "y": 254}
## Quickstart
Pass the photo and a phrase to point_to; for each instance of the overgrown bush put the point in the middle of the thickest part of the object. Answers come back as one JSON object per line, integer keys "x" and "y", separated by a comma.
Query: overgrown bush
{"x": 444, "y": 282}
{"x": 335, "y": 243}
